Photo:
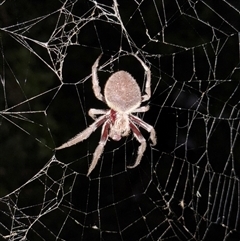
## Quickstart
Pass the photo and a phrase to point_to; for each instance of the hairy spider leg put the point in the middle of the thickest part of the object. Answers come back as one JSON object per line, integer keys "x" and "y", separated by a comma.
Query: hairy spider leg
{"x": 145, "y": 126}
{"x": 142, "y": 142}
{"x": 95, "y": 83}
{"x": 147, "y": 96}
{"x": 99, "y": 150}
{"x": 84, "y": 134}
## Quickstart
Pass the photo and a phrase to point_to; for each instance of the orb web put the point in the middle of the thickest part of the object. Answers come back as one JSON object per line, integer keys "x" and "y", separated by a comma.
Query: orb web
{"x": 186, "y": 187}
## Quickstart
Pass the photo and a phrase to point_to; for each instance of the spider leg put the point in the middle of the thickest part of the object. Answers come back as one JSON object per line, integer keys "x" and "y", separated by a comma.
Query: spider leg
{"x": 141, "y": 109}
{"x": 84, "y": 134}
{"x": 148, "y": 81}
{"x": 94, "y": 112}
{"x": 99, "y": 150}
{"x": 141, "y": 140}
{"x": 95, "y": 83}
{"x": 145, "y": 126}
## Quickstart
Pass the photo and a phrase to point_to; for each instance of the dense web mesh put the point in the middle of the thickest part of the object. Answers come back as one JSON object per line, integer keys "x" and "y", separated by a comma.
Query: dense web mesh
{"x": 186, "y": 187}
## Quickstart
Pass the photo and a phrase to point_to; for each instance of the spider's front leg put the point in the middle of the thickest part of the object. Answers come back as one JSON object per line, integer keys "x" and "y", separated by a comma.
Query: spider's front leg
{"x": 145, "y": 126}
{"x": 84, "y": 134}
{"x": 142, "y": 141}
{"x": 99, "y": 150}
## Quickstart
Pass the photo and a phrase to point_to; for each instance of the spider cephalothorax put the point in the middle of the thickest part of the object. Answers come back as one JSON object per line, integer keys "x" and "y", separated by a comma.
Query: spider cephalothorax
{"x": 123, "y": 96}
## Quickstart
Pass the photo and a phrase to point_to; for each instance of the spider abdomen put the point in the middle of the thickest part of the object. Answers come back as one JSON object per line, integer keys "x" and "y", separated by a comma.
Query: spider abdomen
{"x": 122, "y": 92}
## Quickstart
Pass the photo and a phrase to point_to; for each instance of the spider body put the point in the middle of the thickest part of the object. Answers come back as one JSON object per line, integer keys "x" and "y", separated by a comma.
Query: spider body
{"x": 123, "y": 96}
{"x": 122, "y": 92}
{"x": 119, "y": 125}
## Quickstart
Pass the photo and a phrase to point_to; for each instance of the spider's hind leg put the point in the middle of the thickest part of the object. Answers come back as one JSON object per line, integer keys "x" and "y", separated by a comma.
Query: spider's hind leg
{"x": 141, "y": 148}
{"x": 147, "y": 96}
{"x": 95, "y": 82}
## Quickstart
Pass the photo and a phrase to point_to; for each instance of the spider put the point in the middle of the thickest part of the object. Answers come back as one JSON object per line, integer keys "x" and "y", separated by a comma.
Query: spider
{"x": 123, "y": 96}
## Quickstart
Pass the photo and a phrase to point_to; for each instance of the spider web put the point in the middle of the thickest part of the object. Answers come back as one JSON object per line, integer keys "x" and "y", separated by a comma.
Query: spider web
{"x": 186, "y": 187}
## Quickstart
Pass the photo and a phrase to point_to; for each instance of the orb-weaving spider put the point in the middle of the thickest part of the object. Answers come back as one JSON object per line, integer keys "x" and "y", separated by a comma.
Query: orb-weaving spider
{"x": 123, "y": 96}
